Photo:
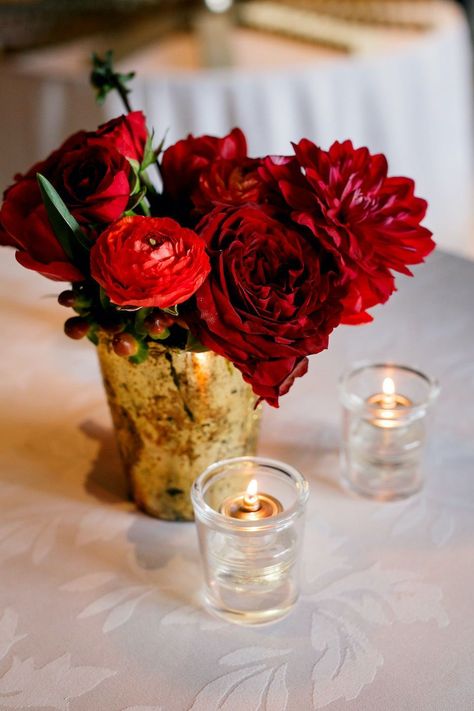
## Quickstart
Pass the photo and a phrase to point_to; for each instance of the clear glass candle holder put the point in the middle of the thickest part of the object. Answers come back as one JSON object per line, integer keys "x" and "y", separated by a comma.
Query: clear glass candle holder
{"x": 250, "y": 566}
{"x": 385, "y": 409}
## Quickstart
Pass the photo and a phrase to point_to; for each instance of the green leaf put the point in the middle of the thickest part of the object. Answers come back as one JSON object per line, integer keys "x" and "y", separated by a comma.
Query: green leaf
{"x": 135, "y": 165}
{"x": 104, "y": 299}
{"x": 142, "y": 354}
{"x": 194, "y": 345}
{"x": 82, "y": 304}
{"x": 149, "y": 155}
{"x": 137, "y": 200}
{"x": 161, "y": 145}
{"x": 65, "y": 227}
{"x": 104, "y": 78}
{"x": 140, "y": 317}
{"x": 147, "y": 182}
{"x": 93, "y": 334}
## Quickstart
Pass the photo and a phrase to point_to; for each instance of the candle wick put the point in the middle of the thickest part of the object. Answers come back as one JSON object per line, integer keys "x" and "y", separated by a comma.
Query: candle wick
{"x": 251, "y": 502}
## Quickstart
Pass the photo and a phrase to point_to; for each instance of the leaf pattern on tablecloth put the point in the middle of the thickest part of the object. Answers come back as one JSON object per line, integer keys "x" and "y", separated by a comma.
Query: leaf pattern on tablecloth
{"x": 442, "y": 528}
{"x": 193, "y": 614}
{"x": 53, "y": 685}
{"x": 121, "y": 601}
{"x": 20, "y": 536}
{"x": 341, "y": 606}
{"x": 414, "y": 514}
{"x": 277, "y": 691}
{"x": 329, "y": 558}
{"x": 90, "y": 581}
{"x": 45, "y": 541}
{"x": 102, "y": 524}
{"x": 345, "y": 612}
{"x": 260, "y": 685}
{"x": 247, "y": 655}
{"x": 123, "y": 612}
{"x": 346, "y": 660}
{"x": 8, "y": 631}
{"x": 119, "y": 604}
{"x": 36, "y": 529}
{"x": 385, "y": 596}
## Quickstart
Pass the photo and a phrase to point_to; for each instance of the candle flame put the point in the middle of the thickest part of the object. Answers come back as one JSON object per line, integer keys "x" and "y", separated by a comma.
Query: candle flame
{"x": 252, "y": 489}
{"x": 251, "y": 500}
{"x": 388, "y": 387}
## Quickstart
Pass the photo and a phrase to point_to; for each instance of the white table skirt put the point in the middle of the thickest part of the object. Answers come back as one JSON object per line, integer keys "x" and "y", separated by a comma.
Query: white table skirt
{"x": 411, "y": 100}
{"x": 99, "y": 604}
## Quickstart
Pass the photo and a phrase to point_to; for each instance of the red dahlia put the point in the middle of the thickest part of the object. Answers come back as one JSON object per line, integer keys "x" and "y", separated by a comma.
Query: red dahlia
{"x": 369, "y": 221}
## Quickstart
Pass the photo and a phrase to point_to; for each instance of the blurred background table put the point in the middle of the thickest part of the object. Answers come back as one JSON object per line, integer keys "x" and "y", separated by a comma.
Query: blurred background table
{"x": 400, "y": 88}
{"x": 99, "y": 604}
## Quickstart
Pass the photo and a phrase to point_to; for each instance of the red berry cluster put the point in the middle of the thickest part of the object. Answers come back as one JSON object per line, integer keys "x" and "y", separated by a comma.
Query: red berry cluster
{"x": 130, "y": 329}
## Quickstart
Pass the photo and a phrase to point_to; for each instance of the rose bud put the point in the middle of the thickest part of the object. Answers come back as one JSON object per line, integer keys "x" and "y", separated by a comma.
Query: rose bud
{"x": 76, "y": 327}
{"x": 125, "y": 345}
{"x": 67, "y": 298}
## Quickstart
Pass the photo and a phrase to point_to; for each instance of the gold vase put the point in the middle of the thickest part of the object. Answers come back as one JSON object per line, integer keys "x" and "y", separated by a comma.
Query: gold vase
{"x": 175, "y": 414}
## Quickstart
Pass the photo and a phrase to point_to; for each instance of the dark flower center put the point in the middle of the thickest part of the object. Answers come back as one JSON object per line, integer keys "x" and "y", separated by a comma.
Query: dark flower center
{"x": 83, "y": 178}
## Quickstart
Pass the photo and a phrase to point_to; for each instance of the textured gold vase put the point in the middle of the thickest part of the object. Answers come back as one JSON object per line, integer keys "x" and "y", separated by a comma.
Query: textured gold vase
{"x": 174, "y": 414}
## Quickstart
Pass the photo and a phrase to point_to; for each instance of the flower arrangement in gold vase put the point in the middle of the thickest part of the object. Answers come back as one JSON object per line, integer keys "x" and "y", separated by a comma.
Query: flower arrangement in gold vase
{"x": 206, "y": 287}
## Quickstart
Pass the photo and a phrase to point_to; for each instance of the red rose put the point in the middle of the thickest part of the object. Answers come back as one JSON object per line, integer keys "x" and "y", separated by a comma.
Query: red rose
{"x": 270, "y": 299}
{"x": 127, "y": 134}
{"x": 370, "y": 222}
{"x": 149, "y": 261}
{"x": 93, "y": 180}
{"x": 91, "y": 173}
{"x": 184, "y": 163}
{"x": 25, "y": 226}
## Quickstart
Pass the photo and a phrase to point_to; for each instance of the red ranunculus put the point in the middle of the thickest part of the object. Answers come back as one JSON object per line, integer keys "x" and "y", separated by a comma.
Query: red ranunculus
{"x": 270, "y": 299}
{"x": 369, "y": 221}
{"x": 91, "y": 173}
{"x": 149, "y": 261}
{"x": 128, "y": 134}
{"x": 184, "y": 162}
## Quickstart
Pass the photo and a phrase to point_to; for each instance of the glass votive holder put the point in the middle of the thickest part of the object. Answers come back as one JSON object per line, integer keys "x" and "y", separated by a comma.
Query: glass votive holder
{"x": 385, "y": 409}
{"x": 250, "y": 563}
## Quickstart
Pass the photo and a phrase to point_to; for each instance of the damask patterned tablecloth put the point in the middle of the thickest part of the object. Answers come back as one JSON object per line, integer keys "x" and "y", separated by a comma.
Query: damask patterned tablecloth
{"x": 99, "y": 604}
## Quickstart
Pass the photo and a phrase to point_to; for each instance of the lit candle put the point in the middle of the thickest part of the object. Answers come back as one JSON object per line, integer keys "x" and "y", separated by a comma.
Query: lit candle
{"x": 390, "y": 405}
{"x": 385, "y": 432}
{"x": 251, "y": 505}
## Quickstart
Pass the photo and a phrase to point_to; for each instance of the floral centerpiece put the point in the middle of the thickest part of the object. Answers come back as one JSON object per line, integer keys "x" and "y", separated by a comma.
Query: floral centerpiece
{"x": 254, "y": 260}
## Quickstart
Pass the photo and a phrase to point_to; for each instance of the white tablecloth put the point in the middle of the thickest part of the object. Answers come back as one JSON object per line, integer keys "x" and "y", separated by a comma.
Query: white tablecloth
{"x": 409, "y": 96}
{"x": 99, "y": 604}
